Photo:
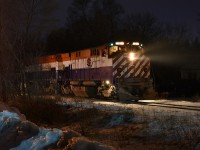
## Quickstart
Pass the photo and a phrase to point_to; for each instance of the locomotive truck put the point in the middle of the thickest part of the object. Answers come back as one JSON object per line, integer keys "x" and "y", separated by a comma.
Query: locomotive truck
{"x": 117, "y": 70}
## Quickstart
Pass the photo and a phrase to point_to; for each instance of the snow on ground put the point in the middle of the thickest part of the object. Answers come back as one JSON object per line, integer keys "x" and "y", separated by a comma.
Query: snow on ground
{"x": 43, "y": 138}
{"x": 173, "y": 124}
{"x": 120, "y": 106}
{"x": 174, "y": 102}
{"x": 139, "y": 110}
{"x": 17, "y": 133}
{"x": 170, "y": 123}
{"x": 8, "y": 118}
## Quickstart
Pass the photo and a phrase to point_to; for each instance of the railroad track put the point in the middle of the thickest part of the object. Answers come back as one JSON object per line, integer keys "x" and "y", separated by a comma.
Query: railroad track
{"x": 186, "y": 107}
{"x": 177, "y": 106}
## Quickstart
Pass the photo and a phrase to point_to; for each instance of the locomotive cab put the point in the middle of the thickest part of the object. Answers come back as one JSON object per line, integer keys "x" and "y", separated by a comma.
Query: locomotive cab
{"x": 131, "y": 70}
{"x": 125, "y": 48}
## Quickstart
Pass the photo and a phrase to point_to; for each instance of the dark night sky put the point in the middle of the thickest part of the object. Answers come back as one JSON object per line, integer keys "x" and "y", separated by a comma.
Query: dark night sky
{"x": 173, "y": 11}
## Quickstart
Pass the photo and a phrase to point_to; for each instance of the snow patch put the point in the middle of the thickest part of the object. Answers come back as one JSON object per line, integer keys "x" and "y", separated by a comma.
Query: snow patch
{"x": 8, "y": 119}
{"x": 116, "y": 120}
{"x": 44, "y": 138}
{"x": 8, "y": 114}
{"x": 120, "y": 119}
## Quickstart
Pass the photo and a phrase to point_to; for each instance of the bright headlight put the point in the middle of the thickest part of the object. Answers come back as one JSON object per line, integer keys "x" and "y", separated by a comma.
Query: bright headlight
{"x": 135, "y": 43}
{"x": 107, "y": 82}
{"x": 131, "y": 56}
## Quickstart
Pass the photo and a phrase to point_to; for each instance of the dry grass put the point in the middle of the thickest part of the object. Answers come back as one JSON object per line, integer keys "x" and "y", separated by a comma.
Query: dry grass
{"x": 40, "y": 110}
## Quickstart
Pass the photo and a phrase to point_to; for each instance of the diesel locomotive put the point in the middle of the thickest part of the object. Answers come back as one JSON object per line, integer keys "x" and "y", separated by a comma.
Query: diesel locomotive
{"x": 119, "y": 70}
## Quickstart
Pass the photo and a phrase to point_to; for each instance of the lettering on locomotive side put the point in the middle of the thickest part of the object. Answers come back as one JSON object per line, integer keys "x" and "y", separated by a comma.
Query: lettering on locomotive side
{"x": 89, "y": 62}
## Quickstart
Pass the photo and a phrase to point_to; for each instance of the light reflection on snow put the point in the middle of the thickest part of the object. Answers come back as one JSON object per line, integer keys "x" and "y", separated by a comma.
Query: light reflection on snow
{"x": 44, "y": 138}
{"x": 8, "y": 114}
